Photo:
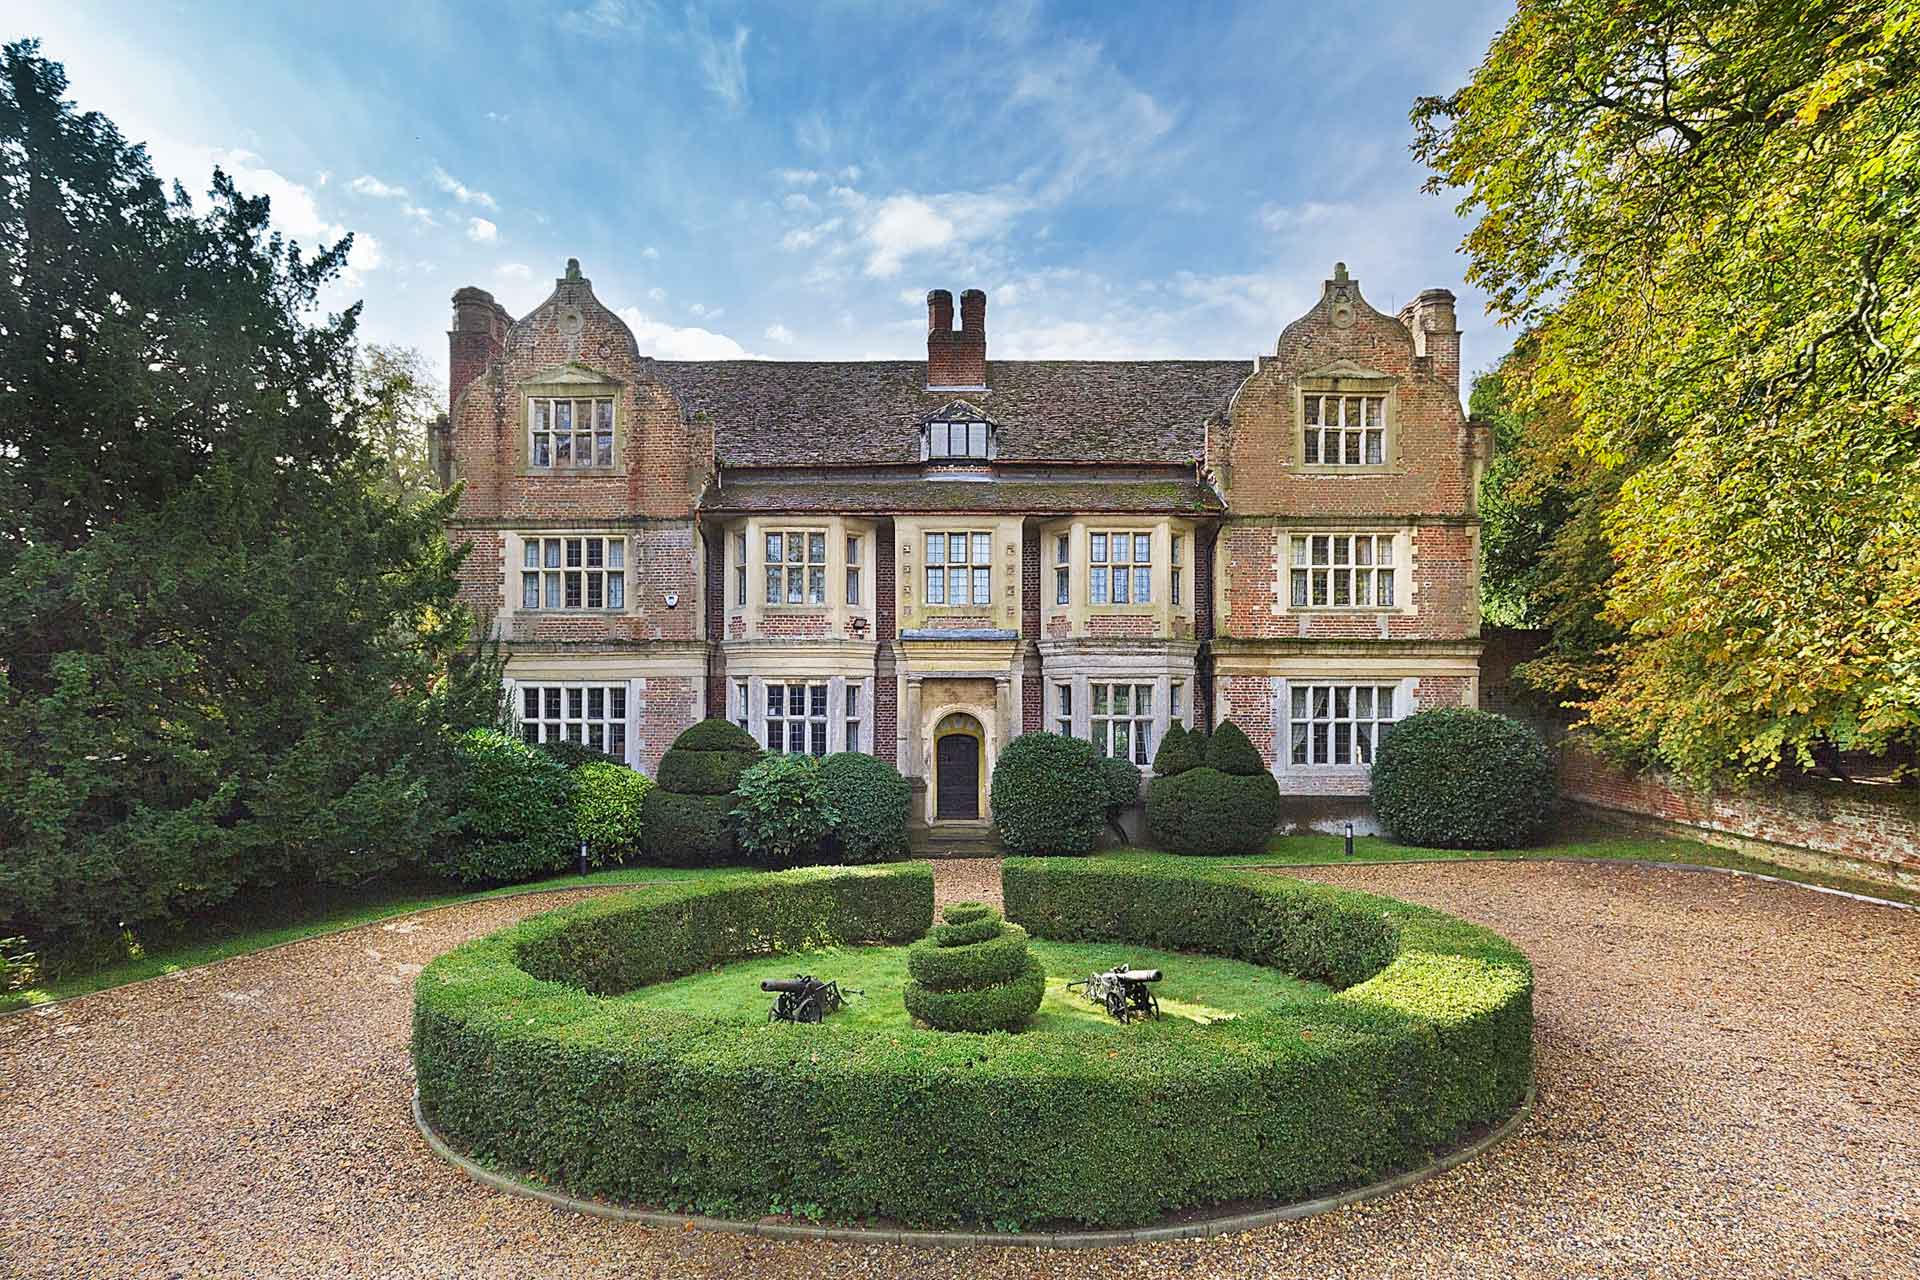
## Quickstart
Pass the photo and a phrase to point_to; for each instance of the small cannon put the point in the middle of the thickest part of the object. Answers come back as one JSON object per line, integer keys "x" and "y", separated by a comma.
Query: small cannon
{"x": 804, "y": 999}
{"x": 1123, "y": 992}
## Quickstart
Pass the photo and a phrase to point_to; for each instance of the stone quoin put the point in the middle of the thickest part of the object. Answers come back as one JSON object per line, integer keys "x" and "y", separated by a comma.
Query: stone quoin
{"x": 922, "y": 559}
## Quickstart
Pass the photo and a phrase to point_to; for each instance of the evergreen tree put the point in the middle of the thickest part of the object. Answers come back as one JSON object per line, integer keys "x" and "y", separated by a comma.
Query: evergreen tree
{"x": 226, "y": 658}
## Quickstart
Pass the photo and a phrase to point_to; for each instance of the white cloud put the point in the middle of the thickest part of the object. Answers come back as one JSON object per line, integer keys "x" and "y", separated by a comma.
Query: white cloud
{"x": 850, "y": 174}
{"x": 707, "y": 313}
{"x": 780, "y": 333}
{"x": 461, "y": 191}
{"x": 722, "y": 60}
{"x": 422, "y": 216}
{"x": 797, "y": 177}
{"x": 656, "y": 294}
{"x": 1286, "y": 218}
{"x": 807, "y": 237}
{"x": 649, "y": 253}
{"x": 514, "y": 271}
{"x": 671, "y": 342}
{"x": 906, "y": 226}
{"x": 811, "y": 132}
{"x": 497, "y": 118}
{"x": 368, "y": 185}
{"x": 480, "y": 231}
{"x": 1102, "y": 123}
{"x": 798, "y": 202}
{"x": 365, "y": 256}
{"x": 602, "y": 18}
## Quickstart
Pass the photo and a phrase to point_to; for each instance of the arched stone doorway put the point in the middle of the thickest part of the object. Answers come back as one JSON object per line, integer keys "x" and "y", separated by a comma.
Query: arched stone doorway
{"x": 959, "y": 775}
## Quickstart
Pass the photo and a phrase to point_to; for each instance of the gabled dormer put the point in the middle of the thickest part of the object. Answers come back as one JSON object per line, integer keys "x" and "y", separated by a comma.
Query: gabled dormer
{"x": 960, "y": 433}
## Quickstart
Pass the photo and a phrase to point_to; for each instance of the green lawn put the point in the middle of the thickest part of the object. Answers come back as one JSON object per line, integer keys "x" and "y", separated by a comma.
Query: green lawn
{"x": 1201, "y": 989}
{"x": 252, "y": 922}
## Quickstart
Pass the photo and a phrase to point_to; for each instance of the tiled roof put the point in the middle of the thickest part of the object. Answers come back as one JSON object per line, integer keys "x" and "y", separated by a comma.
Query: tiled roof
{"x": 1039, "y": 497}
{"x": 843, "y": 413}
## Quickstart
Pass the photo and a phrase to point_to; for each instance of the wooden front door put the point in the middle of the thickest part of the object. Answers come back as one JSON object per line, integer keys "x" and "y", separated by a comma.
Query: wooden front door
{"x": 956, "y": 770}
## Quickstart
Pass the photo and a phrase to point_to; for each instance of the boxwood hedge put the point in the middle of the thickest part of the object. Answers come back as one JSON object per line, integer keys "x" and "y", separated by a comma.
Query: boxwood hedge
{"x": 521, "y": 1062}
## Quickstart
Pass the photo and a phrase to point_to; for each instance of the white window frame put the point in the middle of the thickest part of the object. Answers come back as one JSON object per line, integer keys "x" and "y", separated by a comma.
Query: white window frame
{"x": 1105, "y": 719}
{"x": 805, "y": 577}
{"x": 1333, "y": 571}
{"x": 852, "y": 715}
{"x": 812, "y": 715}
{"x": 1176, "y": 561}
{"x": 976, "y": 571}
{"x": 740, "y": 573}
{"x": 1104, "y": 567}
{"x": 1063, "y": 708}
{"x": 853, "y": 569}
{"x": 976, "y": 441}
{"x": 557, "y": 566}
{"x": 1339, "y": 705}
{"x": 545, "y": 435}
{"x": 1062, "y": 569}
{"x": 573, "y": 704}
{"x": 1353, "y": 423}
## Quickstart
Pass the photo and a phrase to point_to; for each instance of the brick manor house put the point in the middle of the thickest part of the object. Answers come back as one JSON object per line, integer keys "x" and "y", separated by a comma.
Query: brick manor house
{"x": 923, "y": 559}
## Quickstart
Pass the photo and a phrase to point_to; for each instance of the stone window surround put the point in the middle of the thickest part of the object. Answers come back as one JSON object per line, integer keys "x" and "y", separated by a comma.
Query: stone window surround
{"x": 1076, "y": 530}
{"x": 841, "y": 617}
{"x": 513, "y": 552}
{"x": 569, "y": 382}
{"x": 636, "y": 699}
{"x": 910, "y": 536}
{"x": 1404, "y": 565}
{"x": 1407, "y": 688}
{"x": 1347, "y": 382}
{"x": 1081, "y": 666}
{"x": 755, "y": 712}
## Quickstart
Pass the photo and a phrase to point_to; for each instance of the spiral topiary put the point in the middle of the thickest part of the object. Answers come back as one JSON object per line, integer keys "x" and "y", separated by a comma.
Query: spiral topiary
{"x": 973, "y": 973}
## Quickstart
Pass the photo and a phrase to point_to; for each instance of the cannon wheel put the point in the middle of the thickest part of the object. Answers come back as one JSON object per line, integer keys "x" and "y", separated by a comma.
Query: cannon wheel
{"x": 808, "y": 1010}
{"x": 1117, "y": 1003}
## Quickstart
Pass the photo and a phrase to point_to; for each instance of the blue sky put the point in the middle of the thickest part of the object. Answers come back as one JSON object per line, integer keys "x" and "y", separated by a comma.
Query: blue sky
{"x": 788, "y": 180}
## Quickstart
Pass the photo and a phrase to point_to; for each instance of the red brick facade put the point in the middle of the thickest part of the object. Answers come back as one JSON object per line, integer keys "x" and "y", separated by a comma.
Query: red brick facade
{"x": 1204, "y": 462}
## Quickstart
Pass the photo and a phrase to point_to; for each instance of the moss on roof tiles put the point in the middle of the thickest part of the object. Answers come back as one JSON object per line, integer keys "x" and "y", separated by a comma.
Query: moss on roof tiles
{"x": 952, "y": 495}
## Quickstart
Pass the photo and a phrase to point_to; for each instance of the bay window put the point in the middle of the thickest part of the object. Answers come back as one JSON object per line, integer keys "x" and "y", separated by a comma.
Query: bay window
{"x": 796, "y": 566}
{"x": 1119, "y": 568}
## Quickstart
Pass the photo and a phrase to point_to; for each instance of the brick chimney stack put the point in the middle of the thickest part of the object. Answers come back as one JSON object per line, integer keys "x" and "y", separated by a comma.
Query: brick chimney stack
{"x": 478, "y": 336}
{"x": 1435, "y": 335}
{"x": 957, "y": 360}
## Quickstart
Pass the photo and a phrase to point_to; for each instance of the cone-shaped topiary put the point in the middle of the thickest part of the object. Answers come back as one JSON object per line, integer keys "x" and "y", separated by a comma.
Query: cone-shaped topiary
{"x": 1229, "y": 751}
{"x": 973, "y": 973}
{"x": 686, "y": 819}
{"x": 1177, "y": 753}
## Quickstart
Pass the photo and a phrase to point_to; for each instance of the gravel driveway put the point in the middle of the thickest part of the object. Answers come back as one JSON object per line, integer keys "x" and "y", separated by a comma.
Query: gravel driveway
{"x": 1729, "y": 1080}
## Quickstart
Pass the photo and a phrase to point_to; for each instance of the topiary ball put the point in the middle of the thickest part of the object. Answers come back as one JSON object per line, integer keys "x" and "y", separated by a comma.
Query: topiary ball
{"x": 1229, "y": 751}
{"x": 716, "y": 735}
{"x": 1455, "y": 778}
{"x": 1204, "y": 811}
{"x": 872, "y": 800}
{"x": 1049, "y": 795}
{"x": 703, "y": 773}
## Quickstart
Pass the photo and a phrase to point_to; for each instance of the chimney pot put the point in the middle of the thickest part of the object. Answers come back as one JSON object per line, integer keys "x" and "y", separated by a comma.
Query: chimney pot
{"x": 973, "y": 312}
{"x": 956, "y": 360}
{"x": 939, "y": 311}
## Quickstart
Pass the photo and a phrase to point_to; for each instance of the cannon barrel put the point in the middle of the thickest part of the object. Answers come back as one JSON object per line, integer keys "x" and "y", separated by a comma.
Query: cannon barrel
{"x": 794, "y": 985}
{"x": 1139, "y": 975}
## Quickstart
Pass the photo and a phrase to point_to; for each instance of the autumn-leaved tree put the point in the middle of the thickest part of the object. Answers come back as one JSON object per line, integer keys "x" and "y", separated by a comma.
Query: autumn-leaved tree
{"x": 1706, "y": 217}
{"x": 227, "y": 658}
{"x": 398, "y": 398}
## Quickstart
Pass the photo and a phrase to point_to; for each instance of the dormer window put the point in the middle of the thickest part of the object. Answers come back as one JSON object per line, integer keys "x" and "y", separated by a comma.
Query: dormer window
{"x": 957, "y": 440}
{"x": 957, "y": 433}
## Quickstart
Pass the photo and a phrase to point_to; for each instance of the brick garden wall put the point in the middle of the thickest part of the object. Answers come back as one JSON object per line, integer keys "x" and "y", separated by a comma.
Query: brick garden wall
{"x": 1813, "y": 823}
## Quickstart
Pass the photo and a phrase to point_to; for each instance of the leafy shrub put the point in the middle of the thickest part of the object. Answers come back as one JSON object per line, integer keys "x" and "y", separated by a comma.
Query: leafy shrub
{"x": 703, "y": 773}
{"x": 1122, "y": 778}
{"x": 1178, "y": 752}
{"x": 1205, "y": 811}
{"x": 1229, "y": 751}
{"x": 1429, "y": 1037}
{"x": 512, "y": 812}
{"x": 1049, "y": 795}
{"x": 973, "y": 973}
{"x": 607, "y": 800}
{"x": 781, "y": 812}
{"x": 872, "y": 800}
{"x": 686, "y": 831}
{"x": 1454, "y": 778}
{"x": 574, "y": 754}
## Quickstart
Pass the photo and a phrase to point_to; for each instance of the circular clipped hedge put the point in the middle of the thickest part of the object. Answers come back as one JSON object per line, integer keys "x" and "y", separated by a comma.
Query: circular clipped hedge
{"x": 973, "y": 973}
{"x": 1049, "y": 794}
{"x": 1454, "y": 778}
{"x": 523, "y": 1060}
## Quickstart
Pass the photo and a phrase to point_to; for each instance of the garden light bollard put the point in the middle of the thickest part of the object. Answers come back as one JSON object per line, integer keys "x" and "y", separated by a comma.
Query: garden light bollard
{"x": 583, "y": 855}
{"x": 1349, "y": 839}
